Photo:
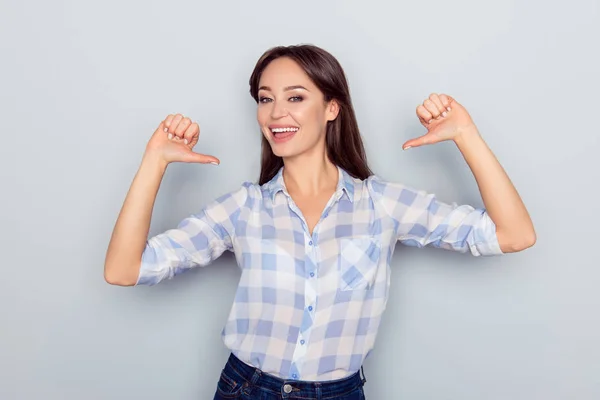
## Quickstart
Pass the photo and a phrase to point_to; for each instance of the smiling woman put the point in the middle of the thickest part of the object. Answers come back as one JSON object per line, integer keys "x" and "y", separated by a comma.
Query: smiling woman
{"x": 309, "y": 86}
{"x": 314, "y": 237}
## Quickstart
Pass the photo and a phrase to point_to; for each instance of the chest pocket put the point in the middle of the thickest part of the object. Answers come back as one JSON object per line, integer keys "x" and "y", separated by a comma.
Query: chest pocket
{"x": 358, "y": 260}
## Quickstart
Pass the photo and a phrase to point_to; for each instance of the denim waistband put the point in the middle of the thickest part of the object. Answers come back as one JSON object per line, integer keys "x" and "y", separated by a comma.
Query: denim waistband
{"x": 236, "y": 369}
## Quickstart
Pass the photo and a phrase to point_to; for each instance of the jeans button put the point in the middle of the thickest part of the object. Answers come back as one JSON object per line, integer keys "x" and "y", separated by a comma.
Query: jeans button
{"x": 287, "y": 388}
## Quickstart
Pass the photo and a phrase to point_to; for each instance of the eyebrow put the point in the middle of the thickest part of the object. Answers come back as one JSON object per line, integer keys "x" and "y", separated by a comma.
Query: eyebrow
{"x": 285, "y": 89}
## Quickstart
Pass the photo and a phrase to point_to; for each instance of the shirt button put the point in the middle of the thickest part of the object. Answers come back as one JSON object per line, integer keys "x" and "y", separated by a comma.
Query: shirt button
{"x": 310, "y": 243}
{"x": 312, "y": 274}
{"x": 309, "y": 308}
{"x": 294, "y": 376}
{"x": 302, "y": 341}
{"x": 288, "y": 388}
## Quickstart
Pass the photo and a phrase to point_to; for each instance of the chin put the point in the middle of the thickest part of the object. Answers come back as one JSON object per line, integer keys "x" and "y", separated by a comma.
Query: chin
{"x": 283, "y": 153}
{"x": 290, "y": 149}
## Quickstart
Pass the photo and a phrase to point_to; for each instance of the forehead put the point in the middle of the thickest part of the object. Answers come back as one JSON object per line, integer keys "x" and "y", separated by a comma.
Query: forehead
{"x": 283, "y": 72}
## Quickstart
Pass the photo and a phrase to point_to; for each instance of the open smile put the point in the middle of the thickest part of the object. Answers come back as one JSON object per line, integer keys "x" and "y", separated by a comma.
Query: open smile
{"x": 283, "y": 133}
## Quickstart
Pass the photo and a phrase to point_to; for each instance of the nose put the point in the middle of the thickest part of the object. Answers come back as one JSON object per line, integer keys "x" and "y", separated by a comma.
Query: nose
{"x": 278, "y": 110}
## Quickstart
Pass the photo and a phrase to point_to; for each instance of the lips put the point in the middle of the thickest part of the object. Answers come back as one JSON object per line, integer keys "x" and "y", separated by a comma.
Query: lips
{"x": 283, "y": 133}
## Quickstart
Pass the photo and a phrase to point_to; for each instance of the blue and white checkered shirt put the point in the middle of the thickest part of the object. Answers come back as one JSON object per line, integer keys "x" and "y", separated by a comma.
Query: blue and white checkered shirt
{"x": 308, "y": 306}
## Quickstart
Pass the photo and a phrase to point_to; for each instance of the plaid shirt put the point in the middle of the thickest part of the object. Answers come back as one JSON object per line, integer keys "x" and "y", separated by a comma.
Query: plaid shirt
{"x": 308, "y": 307}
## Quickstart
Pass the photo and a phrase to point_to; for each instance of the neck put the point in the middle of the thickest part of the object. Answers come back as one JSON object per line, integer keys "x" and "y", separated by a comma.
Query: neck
{"x": 310, "y": 174}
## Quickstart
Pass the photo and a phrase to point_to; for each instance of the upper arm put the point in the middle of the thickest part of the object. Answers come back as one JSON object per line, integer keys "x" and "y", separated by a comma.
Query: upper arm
{"x": 197, "y": 240}
{"x": 423, "y": 220}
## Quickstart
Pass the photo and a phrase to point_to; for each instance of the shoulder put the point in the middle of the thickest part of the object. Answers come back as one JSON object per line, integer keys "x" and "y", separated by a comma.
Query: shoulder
{"x": 372, "y": 188}
{"x": 228, "y": 204}
{"x": 394, "y": 196}
{"x": 250, "y": 194}
{"x": 242, "y": 191}
{"x": 379, "y": 187}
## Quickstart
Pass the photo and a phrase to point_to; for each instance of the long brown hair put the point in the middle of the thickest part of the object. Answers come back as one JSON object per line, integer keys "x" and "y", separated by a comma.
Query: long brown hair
{"x": 344, "y": 143}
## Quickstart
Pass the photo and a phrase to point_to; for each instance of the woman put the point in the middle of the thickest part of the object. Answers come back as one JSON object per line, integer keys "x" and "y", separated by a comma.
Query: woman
{"x": 315, "y": 236}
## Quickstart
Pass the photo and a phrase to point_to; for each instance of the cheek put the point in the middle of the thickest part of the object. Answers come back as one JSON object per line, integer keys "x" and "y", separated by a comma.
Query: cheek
{"x": 262, "y": 115}
{"x": 318, "y": 113}
{"x": 305, "y": 114}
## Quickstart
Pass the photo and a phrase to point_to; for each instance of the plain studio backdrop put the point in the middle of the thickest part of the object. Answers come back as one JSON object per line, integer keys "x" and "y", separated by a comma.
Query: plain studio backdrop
{"x": 84, "y": 84}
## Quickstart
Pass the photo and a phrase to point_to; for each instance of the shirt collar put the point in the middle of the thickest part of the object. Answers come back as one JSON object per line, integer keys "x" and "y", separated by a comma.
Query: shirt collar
{"x": 345, "y": 184}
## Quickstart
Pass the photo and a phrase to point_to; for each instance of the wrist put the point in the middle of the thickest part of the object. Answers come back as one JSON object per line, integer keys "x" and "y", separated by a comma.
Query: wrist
{"x": 154, "y": 161}
{"x": 466, "y": 135}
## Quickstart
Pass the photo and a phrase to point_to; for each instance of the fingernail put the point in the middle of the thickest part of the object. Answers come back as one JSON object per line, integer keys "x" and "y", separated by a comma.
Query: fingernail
{"x": 430, "y": 121}
{"x": 185, "y": 141}
{"x": 448, "y": 108}
{"x": 407, "y": 147}
{"x": 214, "y": 163}
{"x": 170, "y": 136}
{"x": 444, "y": 114}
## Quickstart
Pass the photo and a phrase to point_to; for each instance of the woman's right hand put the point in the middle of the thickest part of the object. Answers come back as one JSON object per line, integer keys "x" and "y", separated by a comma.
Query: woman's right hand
{"x": 174, "y": 140}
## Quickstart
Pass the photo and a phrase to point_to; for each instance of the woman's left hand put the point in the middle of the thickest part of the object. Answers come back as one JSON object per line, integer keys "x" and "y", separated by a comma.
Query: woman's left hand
{"x": 444, "y": 118}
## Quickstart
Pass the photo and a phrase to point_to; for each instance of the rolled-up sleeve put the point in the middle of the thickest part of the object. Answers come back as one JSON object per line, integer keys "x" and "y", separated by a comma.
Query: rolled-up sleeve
{"x": 197, "y": 240}
{"x": 422, "y": 220}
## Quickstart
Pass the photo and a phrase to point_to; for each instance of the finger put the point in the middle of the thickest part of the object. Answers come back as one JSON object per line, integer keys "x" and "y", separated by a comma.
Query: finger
{"x": 420, "y": 141}
{"x": 161, "y": 127}
{"x": 192, "y": 157}
{"x": 446, "y": 101}
{"x": 438, "y": 103}
{"x": 182, "y": 126}
{"x": 424, "y": 115}
{"x": 190, "y": 132}
{"x": 432, "y": 108}
{"x": 168, "y": 120}
{"x": 174, "y": 122}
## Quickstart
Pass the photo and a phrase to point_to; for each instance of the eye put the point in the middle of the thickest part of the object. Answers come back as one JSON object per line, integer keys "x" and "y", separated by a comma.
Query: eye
{"x": 264, "y": 99}
{"x": 296, "y": 98}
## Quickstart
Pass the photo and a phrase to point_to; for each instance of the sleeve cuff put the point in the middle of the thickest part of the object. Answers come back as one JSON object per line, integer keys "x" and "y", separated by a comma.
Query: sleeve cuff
{"x": 486, "y": 241}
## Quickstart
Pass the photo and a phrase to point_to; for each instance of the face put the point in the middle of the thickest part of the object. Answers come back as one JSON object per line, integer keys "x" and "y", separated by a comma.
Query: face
{"x": 292, "y": 112}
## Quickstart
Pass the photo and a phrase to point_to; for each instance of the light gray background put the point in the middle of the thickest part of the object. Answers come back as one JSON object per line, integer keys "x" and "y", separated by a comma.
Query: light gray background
{"x": 83, "y": 85}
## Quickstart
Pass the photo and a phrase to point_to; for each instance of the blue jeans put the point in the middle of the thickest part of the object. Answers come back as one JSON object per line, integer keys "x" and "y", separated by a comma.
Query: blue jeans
{"x": 241, "y": 381}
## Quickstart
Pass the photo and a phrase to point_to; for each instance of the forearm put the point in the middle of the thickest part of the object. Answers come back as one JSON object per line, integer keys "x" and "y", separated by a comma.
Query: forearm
{"x": 128, "y": 241}
{"x": 514, "y": 227}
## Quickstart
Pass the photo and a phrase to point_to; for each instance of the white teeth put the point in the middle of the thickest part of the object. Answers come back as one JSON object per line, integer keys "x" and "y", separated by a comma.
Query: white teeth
{"x": 280, "y": 130}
